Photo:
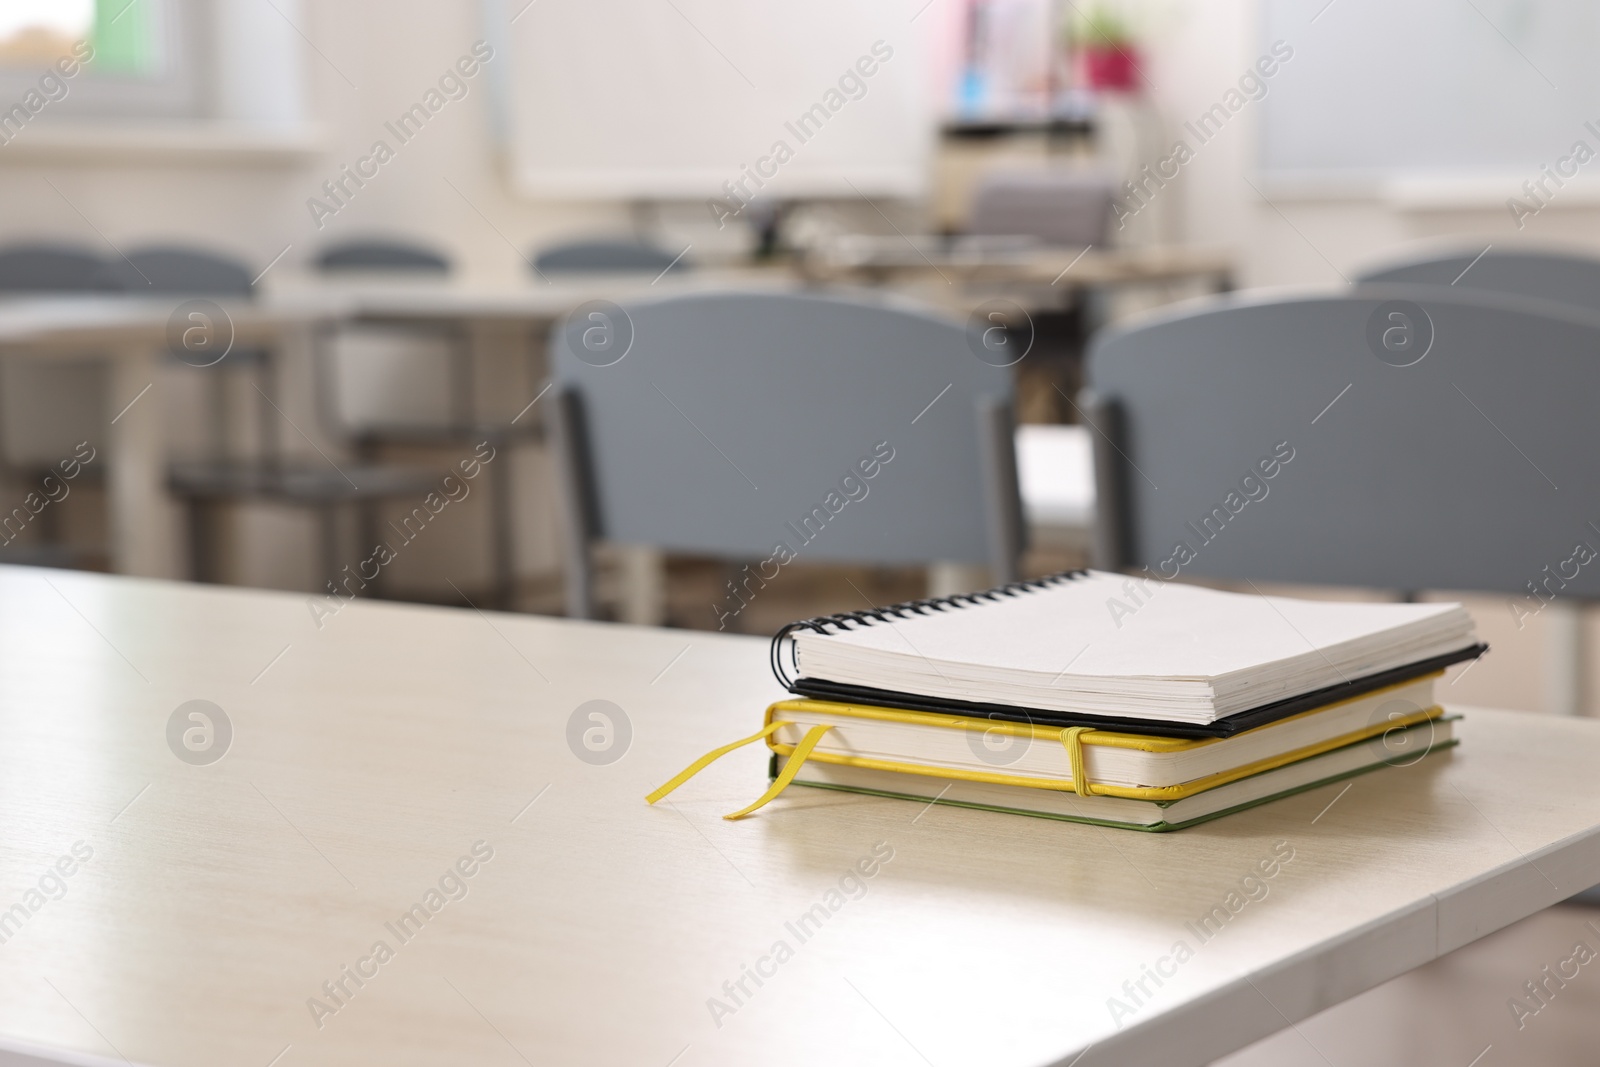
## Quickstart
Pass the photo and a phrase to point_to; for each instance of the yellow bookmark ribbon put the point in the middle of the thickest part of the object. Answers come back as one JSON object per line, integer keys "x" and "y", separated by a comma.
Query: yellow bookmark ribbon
{"x": 1072, "y": 739}
{"x": 801, "y": 752}
{"x": 709, "y": 758}
{"x": 790, "y": 769}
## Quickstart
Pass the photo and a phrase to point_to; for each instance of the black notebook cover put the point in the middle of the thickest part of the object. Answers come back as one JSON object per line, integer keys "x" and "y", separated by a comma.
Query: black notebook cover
{"x": 820, "y": 689}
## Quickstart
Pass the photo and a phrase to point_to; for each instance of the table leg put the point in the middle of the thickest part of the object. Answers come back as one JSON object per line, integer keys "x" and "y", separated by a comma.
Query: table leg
{"x": 644, "y": 585}
{"x": 145, "y": 529}
{"x": 951, "y": 579}
{"x": 1564, "y": 657}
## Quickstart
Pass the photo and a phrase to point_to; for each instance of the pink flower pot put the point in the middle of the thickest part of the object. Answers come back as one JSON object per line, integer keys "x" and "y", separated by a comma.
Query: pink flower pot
{"x": 1107, "y": 68}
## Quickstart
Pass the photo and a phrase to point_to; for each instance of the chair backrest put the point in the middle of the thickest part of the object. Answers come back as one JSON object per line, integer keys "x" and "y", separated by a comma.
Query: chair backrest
{"x": 1397, "y": 437}
{"x": 1059, "y": 207}
{"x": 1564, "y": 277}
{"x": 48, "y": 267}
{"x": 754, "y": 426}
{"x": 47, "y": 406}
{"x": 607, "y": 256}
{"x": 382, "y": 254}
{"x": 180, "y": 270}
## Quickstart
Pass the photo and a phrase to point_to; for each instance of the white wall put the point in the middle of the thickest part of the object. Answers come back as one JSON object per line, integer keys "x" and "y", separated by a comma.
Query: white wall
{"x": 1199, "y": 49}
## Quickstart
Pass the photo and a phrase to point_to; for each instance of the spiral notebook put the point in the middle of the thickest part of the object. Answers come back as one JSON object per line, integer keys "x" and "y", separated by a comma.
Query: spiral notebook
{"x": 1089, "y": 648}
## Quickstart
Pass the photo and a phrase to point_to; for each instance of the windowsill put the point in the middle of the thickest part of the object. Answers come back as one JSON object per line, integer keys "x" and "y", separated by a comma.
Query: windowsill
{"x": 1426, "y": 191}
{"x": 197, "y": 141}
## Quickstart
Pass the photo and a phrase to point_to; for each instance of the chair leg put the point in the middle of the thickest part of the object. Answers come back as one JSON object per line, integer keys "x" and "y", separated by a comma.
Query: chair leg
{"x": 50, "y": 526}
{"x": 328, "y": 535}
{"x": 202, "y": 563}
{"x": 577, "y": 511}
{"x": 367, "y": 530}
{"x": 503, "y": 535}
{"x": 580, "y": 582}
{"x": 368, "y": 512}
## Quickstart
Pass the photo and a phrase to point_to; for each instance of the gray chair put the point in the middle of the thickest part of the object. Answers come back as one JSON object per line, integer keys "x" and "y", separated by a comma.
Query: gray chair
{"x": 381, "y": 254}
{"x": 1462, "y": 470}
{"x": 54, "y": 267}
{"x": 1058, "y": 206}
{"x": 176, "y": 270}
{"x": 172, "y": 269}
{"x": 730, "y": 424}
{"x": 392, "y": 381}
{"x": 47, "y": 406}
{"x": 607, "y": 256}
{"x": 1545, "y": 274}
{"x": 207, "y": 485}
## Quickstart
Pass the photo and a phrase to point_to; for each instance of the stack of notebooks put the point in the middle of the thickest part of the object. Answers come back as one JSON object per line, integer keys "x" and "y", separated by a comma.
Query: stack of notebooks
{"x": 1092, "y": 697}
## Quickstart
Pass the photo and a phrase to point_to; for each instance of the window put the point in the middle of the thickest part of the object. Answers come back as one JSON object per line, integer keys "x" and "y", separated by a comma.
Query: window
{"x": 142, "y": 64}
{"x": 37, "y": 31}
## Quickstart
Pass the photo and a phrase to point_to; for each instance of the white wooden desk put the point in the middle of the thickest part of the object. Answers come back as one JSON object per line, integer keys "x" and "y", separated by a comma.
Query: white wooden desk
{"x": 370, "y": 754}
{"x": 529, "y": 300}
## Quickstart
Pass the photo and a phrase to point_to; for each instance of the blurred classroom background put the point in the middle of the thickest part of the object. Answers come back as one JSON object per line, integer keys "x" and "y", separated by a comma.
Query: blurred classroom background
{"x": 1179, "y": 148}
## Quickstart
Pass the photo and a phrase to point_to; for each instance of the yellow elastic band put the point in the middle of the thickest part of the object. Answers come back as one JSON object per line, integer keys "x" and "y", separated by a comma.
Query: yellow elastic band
{"x": 1072, "y": 737}
{"x": 790, "y": 769}
{"x": 710, "y": 757}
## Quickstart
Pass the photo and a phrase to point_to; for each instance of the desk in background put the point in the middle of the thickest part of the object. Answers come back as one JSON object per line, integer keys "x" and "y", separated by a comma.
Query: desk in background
{"x": 131, "y": 334}
{"x": 886, "y": 260}
{"x": 958, "y": 274}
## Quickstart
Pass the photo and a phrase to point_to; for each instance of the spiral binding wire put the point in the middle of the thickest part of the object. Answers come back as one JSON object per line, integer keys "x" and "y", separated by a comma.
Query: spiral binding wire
{"x": 845, "y": 621}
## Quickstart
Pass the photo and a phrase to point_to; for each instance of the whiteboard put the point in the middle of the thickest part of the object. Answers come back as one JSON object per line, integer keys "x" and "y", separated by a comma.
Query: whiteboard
{"x": 1379, "y": 87}
{"x": 664, "y": 99}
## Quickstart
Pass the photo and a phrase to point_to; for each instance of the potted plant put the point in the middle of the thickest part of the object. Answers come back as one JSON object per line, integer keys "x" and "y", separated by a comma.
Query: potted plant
{"x": 1108, "y": 55}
